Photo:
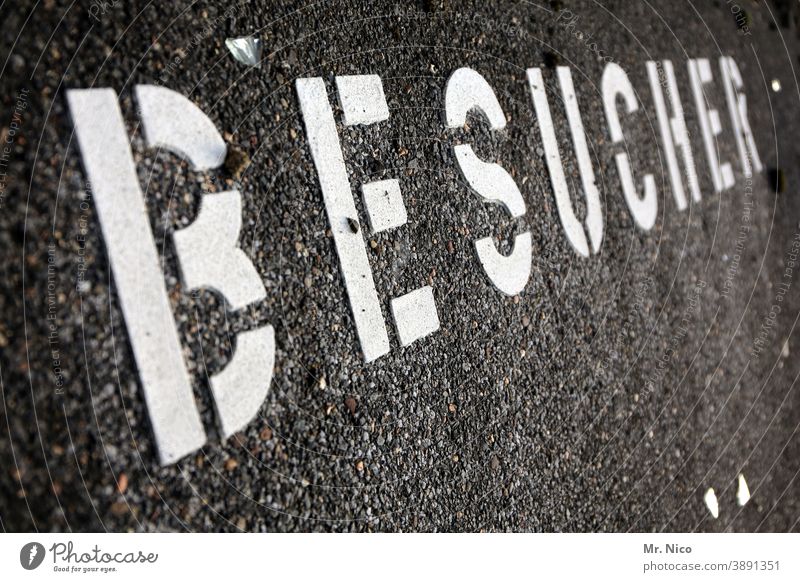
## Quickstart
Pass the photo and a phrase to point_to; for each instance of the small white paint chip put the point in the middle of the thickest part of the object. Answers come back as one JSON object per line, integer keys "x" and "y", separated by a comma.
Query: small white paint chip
{"x": 246, "y": 50}
{"x": 785, "y": 349}
{"x": 743, "y": 492}
{"x": 776, "y": 85}
{"x": 710, "y": 499}
{"x": 385, "y": 207}
{"x": 362, "y": 99}
{"x": 415, "y": 315}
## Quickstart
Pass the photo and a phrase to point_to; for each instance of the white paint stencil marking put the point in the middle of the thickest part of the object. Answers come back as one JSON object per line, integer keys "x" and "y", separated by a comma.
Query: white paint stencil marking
{"x": 241, "y": 388}
{"x": 209, "y": 255}
{"x": 572, "y": 226}
{"x": 173, "y": 122}
{"x": 710, "y": 124}
{"x": 594, "y": 213}
{"x": 489, "y": 180}
{"x": 415, "y": 315}
{"x": 362, "y": 99}
{"x": 468, "y": 90}
{"x": 103, "y": 140}
{"x": 674, "y": 133}
{"x": 384, "y": 203}
{"x": 737, "y": 106}
{"x": 509, "y": 273}
{"x": 324, "y": 142}
{"x": 615, "y": 85}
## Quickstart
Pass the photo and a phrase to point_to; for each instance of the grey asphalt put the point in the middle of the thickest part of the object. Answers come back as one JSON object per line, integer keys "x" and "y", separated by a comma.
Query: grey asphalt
{"x": 521, "y": 414}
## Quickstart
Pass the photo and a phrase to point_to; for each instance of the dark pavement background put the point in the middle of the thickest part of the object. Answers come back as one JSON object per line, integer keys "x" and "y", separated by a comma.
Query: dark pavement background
{"x": 527, "y": 413}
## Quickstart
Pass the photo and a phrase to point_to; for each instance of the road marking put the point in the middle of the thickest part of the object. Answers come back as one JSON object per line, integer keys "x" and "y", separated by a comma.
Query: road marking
{"x": 742, "y": 492}
{"x": 710, "y": 499}
{"x": 566, "y": 213}
{"x": 415, "y": 315}
{"x": 673, "y": 133}
{"x": 737, "y": 107}
{"x": 362, "y": 99}
{"x": 384, "y": 203}
{"x": 710, "y": 124}
{"x": 170, "y": 124}
{"x": 327, "y": 153}
{"x": 209, "y": 256}
{"x": 615, "y": 84}
{"x": 138, "y": 278}
{"x": 468, "y": 90}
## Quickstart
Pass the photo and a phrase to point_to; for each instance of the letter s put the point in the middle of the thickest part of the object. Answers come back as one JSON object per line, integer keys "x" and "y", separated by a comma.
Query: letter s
{"x": 467, "y": 90}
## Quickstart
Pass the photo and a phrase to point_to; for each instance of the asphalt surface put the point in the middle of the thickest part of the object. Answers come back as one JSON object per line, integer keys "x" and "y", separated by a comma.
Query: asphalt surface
{"x": 532, "y": 413}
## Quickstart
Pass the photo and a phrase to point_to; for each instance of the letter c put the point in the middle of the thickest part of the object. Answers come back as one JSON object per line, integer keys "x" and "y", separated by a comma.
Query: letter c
{"x": 616, "y": 84}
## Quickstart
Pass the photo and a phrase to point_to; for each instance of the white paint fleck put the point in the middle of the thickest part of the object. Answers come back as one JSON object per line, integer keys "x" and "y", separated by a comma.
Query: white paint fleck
{"x": 362, "y": 99}
{"x": 710, "y": 499}
{"x": 241, "y": 388}
{"x": 743, "y": 492}
{"x": 776, "y": 85}
{"x": 415, "y": 315}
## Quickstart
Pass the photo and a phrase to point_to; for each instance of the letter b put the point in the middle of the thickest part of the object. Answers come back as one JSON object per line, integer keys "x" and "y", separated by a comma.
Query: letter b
{"x": 207, "y": 252}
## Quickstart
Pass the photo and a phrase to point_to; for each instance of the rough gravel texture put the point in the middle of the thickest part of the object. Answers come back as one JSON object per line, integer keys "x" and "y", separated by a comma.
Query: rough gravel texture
{"x": 531, "y": 413}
